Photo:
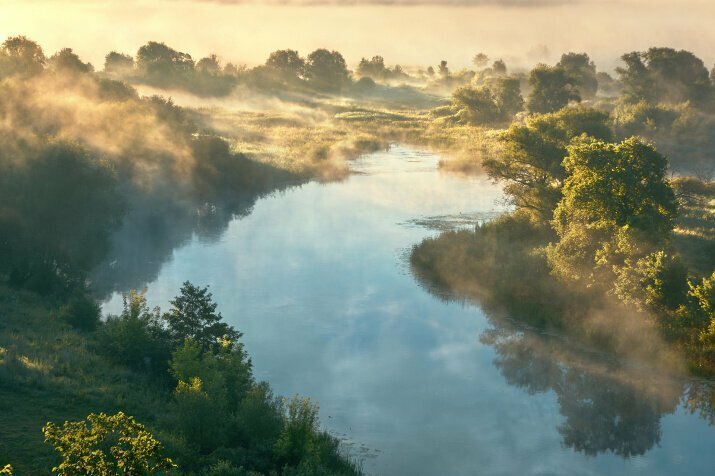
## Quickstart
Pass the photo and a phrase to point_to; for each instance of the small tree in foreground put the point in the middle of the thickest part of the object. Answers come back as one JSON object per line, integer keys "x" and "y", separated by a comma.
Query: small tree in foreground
{"x": 106, "y": 444}
{"x": 193, "y": 316}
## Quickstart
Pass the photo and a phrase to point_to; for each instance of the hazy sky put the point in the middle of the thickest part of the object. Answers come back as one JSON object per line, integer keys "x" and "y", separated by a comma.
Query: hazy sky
{"x": 403, "y": 31}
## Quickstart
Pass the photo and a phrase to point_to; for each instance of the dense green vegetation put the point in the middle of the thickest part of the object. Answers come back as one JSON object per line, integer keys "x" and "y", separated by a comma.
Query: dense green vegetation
{"x": 85, "y": 158}
{"x": 603, "y": 243}
{"x": 183, "y": 374}
{"x": 594, "y": 226}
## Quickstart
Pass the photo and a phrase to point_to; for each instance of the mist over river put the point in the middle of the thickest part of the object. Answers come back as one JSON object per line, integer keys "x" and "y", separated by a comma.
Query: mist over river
{"x": 318, "y": 279}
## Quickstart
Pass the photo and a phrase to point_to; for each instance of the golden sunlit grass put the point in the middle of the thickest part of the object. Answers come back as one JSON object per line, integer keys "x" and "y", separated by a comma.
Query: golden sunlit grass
{"x": 317, "y": 141}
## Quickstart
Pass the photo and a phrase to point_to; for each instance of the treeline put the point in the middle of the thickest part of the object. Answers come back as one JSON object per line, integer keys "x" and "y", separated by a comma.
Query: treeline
{"x": 159, "y": 65}
{"x": 663, "y": 95}
{"x": 204, "y": 411}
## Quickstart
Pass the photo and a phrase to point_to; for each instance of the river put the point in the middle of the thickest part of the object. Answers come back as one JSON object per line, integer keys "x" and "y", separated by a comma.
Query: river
{"x": 318, "y": 279}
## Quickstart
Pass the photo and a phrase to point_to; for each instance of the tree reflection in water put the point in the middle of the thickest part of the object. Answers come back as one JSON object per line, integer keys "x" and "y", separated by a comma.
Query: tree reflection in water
{"x": 607, "y": 406}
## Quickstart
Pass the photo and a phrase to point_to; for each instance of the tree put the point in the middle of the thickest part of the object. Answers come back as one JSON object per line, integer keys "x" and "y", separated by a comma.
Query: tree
{"x": 617, "y": 205}
{"x": 530, "y": 162}
{"x": 64, "y": 204}
{"x": 118, "y": 63}
{"x": 443, "y": 70}
{"x": 66, "y": 60}
{"x": 508, "y": 97}
{"x": 374, "y": 67}
{"x": 287, "y": 63}
{"x": 327, "y": 70}
{"x": 106, "y": 444}
{"x": 480, "y": 60}
{"x": 499, "y": 68}
{"x": 136, "y": 337}
{"x": 551, "y": 89}
{"x": 297, "y": 441}
{"x": 666, "y": 75}
{"x": 475, "y": 105}
{"x": 483, "y": 104}
{"x": 193, "y": 316}
{"x": 580, "y": 67}
{"x": 161, "y": 63}
{"x": 209, "y": 65}
{"x": 20, "y": 55}
{"x": 211, "y": 387}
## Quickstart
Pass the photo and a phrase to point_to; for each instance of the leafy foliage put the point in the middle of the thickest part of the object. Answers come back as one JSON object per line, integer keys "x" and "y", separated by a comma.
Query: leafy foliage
{"x": 580, "y": 67}
{"x": 326, "y": 70}
{"x": 136, "y": 338}
{"x": 666, "y": 75}
{"x": 552, "y": 88}
{"x": 616, "y": 204}
{"x": 532, "y": 154}
{"x": 60, "y": 207}
{"x": 193, "y": 316}
{"x": 488, "y": 104}
{"x": 106, "y": 444}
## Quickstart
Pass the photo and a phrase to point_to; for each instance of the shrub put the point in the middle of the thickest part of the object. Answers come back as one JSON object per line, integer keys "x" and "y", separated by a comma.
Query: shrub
{"x": 80, "y": 312}
{"x": 106, "y": 444}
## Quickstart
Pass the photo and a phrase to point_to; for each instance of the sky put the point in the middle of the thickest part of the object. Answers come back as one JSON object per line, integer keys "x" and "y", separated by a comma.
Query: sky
{"x": 408, "y": 32}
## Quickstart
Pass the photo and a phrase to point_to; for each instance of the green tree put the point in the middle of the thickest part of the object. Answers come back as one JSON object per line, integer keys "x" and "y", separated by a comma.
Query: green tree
{"x": 475, "y": 105}
{"x": 443, "y": 70}
{"x": 666, "y": 75}
{"x": 617, "y": 205}
{"x": 374, "y": 68}
{"x": 530, "y": 162}
{"x": 480, "y": 60}
{"x": 287, "y": 63}
{"x": 499, "y": 67}
{"x": 193, "y": 316}
{"x": 20, "y": 55}
{"x": 136, "y": 337}
{"x": 297, "y": 441}
{"x": 583, "y": 70}
{"x": 552, "y": 88}
{"x": 61, "y": 204}
{"x": 159, "y": 62}
{"x": 658, "y": 280}
{"x": 507, "y": 92}
{"x": 211, "y": 387}
{"x": 209, "y": 65}
{"x": 106, "y": 444}
{"x": 118, "y": 63}
{"x": 67, "y": 61}
{"x": 327, "y": 70}
{"x": 198, "y": 416}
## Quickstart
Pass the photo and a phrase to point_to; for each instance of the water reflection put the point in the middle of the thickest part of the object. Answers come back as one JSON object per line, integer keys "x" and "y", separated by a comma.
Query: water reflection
{"x": 156, "y": 225}
{"x": 317, "y": 280}
{"x": 607, "y": 407}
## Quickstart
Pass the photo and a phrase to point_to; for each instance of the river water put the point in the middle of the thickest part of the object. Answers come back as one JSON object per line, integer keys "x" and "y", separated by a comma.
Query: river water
{"x": 318, "y": 279}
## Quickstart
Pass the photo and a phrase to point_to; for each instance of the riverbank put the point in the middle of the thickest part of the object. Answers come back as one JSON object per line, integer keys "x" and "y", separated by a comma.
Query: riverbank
{"x": 503, "y": 266}
{"x": 52, "y": 372}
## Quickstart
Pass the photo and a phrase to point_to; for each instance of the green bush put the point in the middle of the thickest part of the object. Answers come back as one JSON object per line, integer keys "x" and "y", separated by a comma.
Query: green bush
{"x": 136, "y": 337}
{"x": 80, "y": 312}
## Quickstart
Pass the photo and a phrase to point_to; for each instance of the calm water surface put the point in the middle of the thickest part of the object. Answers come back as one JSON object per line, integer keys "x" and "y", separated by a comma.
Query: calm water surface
{"x": 317, "y": 278}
